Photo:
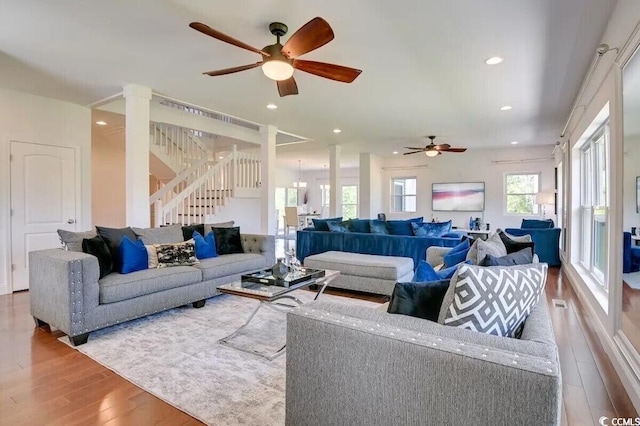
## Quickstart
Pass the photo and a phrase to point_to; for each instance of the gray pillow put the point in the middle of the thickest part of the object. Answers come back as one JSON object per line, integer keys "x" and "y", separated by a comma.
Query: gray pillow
{"x": 209, "y": 226}
{"x": 521, "y": 257}
{"x": 163, "y": 235}
{"x": 492, "y": 247}
{"x": 72, "y": 241}
{"x": 495, "y": 299}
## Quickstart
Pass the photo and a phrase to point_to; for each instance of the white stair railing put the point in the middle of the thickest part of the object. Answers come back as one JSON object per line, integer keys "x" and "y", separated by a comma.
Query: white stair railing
{"x": 205, "y": 189}
{"x": 176, "y": 146}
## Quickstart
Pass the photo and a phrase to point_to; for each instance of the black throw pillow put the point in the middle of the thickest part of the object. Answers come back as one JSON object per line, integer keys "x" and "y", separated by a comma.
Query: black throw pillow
{"x": 514, "y": 246}
{"x": 228, "y": 240}
{"x": 420, "y": 300}
{"x": 522, "y": 257}
{"x": 188, "y": 230}
{"x": 113, "y": 237}
{"x": 98, "y": 248}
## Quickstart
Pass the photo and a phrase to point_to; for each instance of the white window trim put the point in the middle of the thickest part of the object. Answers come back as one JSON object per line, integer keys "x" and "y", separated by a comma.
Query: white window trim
{"x": 505, "y": 212}
{"x": 393, "y": 195}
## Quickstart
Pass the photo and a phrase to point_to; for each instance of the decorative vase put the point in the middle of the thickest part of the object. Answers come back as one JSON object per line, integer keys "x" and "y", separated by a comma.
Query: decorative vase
{"x": 279, "y": 270}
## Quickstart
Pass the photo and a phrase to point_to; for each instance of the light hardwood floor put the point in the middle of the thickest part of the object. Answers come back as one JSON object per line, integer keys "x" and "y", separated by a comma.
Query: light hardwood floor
{"x": 43, "y": 381}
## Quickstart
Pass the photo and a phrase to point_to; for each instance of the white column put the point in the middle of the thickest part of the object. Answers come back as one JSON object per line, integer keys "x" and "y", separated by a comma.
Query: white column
{"x": 335, "y": 194}
{"x": 268, "y": 179}
{"x": 137, "y": 155}
{"x": 370, "y": 191}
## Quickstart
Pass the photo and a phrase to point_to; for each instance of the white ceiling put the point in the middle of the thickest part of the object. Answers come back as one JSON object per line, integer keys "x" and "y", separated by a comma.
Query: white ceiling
{"x": 422, "y": 61}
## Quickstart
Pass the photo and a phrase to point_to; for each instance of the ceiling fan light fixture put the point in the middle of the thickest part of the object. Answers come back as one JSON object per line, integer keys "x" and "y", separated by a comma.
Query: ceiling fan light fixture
{"x": 431, "y": 153}
{"x": 277, "y": 70}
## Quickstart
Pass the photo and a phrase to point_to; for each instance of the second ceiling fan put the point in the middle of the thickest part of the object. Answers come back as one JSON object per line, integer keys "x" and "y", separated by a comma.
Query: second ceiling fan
{"x": 279, "y": 61}
{"x": 433, "y": 150}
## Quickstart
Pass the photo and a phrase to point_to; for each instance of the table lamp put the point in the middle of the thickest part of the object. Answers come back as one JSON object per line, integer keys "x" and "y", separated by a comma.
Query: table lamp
{"x": 545, "y": 198}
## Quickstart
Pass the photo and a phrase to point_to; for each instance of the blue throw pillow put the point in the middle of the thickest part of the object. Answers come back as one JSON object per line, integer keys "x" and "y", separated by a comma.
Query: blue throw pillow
{"x": 378, "y": 226}
{"x": 536, "y": 224}
{"x": 402, "y": 227}
{"x": 338, "y": 226}
{"x": 321, "y": 224}
{"x": 430, "y": 229}
{"x": 463, "y": 245}
{"x": 522, "y": 257}
{"x": 453, "y": 258}
{"x": 425, "y": 272}
{"x": 205, "y": 246}
{"x": 447, "y": 273}
{"x": 360, "y": 225}
{"x": 132, "y": 255}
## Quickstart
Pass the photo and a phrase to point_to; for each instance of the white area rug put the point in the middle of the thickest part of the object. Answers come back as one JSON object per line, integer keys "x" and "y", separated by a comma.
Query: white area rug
{"x": 175, "y": 355}
{"x": 632, "y": 279}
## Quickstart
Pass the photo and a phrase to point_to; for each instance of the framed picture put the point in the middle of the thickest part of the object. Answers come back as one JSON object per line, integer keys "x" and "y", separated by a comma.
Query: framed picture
{"x": 637, "y": 194}
{"x": 458, "y": 197}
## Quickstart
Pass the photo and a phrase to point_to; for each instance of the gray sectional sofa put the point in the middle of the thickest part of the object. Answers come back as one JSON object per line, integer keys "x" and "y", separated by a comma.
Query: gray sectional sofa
{"x": 66, "y": 292}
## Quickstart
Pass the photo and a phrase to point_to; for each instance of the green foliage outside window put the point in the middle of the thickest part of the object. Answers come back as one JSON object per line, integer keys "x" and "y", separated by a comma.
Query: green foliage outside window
{"x": 521, "y": 192}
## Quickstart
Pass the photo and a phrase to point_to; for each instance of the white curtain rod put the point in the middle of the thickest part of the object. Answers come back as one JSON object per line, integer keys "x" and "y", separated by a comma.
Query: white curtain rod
{"x": 524, "y": 160}
{"x": 420, "y": 166}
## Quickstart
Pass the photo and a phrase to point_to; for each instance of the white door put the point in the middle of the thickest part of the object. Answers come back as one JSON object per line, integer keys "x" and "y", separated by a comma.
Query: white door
{"x": 43, "y": 200}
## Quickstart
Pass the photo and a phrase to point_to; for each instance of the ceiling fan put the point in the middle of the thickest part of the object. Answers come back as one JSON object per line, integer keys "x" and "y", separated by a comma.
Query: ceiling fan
{"x": 433, "y": 150}
{"x": 279, "y": 61}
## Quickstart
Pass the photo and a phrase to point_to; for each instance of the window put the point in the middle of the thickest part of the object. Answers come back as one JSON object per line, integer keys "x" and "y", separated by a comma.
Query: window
{"x": 324, "y": 190}
{"x": 403, "y": 194}
{"x": 594, "y": 203}
{"x": 285, "y": 197}
{"x": 349, "y": 201}
{"x": 520, "y": 193}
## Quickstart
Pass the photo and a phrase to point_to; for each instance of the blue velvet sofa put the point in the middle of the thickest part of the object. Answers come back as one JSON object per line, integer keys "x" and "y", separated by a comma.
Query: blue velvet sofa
{"x": 310, "y": 241}
{"x": 545, "y": 237}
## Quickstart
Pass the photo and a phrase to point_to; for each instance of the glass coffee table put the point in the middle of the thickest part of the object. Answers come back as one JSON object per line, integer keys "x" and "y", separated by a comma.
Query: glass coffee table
{"x": 271, "y": 298}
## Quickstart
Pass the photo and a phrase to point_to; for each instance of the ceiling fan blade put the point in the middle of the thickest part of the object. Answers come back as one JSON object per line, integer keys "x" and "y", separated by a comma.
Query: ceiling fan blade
{"x": 330, "y": 71}
{"x": 442, "y": 147}
{"x": 454, "y": 150}
{"x": 287, "y": 87}
{"x": 414, "y": 152}
{"x": 315, "y": 33}
{"x": 205, "y": 29}
{"x": 232, "y": 70}
{"x": 413, "y": 147}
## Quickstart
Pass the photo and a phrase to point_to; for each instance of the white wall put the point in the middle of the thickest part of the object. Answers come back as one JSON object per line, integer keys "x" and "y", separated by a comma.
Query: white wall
{"x": 108, "y": 185}
{"x": 30, "y": 118}
{"x": 321, "y": 177}
{"x": 475, "y": 165}
{"x": 245, "y": 212}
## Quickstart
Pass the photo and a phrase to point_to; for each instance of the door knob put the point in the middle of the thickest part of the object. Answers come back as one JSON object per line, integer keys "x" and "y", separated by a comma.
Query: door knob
{"x": 70, "y": 221}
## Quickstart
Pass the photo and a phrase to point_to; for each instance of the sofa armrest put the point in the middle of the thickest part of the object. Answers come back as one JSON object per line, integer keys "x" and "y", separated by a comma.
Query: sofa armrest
{"x": 435, "y": 255}
{"x": 260, "y": 244}
{"x": 401, "y": 376}
{"x": 63, "y": 285}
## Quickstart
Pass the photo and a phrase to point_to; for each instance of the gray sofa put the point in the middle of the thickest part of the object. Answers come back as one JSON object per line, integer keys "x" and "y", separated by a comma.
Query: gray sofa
{"x": 349, "y": 365}
{"x": 66, "y": 292}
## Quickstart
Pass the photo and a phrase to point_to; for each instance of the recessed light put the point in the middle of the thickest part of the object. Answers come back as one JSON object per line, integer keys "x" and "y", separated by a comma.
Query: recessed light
{"x": 395, "y": 152}
{"x": 220, "y": 157}
{"x": 505, "y": 108}
{"x": 514, "y": 142}
{"x": 272, "y": 106}
{"x": 494, "y": 60}
{"x": 337, "y": 131}
{"x": 101, "y": 123}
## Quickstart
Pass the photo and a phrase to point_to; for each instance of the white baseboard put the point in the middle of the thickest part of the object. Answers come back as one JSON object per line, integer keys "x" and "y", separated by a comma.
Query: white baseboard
{"x": 4, "y": 289}
{"x": 620, "y": 363}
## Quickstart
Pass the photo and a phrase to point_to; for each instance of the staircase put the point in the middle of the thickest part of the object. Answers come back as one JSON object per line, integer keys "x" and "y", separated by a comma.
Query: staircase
{"x": 200, "y": 186}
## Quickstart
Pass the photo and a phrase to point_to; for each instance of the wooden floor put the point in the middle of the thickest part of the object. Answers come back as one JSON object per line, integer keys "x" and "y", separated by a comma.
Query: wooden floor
{"x": 43, "y": 381}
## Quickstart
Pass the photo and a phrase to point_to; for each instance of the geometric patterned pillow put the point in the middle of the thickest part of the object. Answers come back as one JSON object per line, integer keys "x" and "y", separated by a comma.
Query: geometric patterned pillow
{"x": 494, "y": 300}
{"x": 179, "y": 254}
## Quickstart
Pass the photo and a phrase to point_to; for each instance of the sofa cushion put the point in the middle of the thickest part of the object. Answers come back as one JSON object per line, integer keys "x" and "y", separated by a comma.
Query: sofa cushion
{"x": 72, "y": 241}
{"x": 457, "y": 254}
{"x": 521, "y": 257}
{"x": 537, "y": 224}
{"x": 98, "y": 248}
{"x": 163, "y": 235}
{"x": 430, "y": 229}
{"x": 495, "y": 299}
{"x": 113, "y": 237}
{"x": 118, "y": 287}
{"x": 493, "y": 245}
{"x": 378, "y": 226}
{"x": 402, "y": 227}
{"x": 205, "y": 246}
{"x": 321, "y": 224}
{"x": 228, "y": 240}
{"x": 362, "y": 265}
{"x": 360, "y": 225}
{"x": 418, "y": 299}
{"x": 133, "y": 256}
{"x": 230, "y": 264}
{"x": 338, "y": 226}
{"x": 514, "y": 243}
{"x": 426, "y": 272}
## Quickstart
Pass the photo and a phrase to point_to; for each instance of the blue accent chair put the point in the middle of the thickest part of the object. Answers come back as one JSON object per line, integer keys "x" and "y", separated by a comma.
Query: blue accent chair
{"x": 547, "y": 242}
{"x": 630, "y": 255}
